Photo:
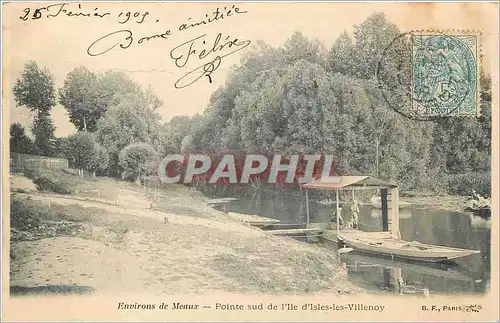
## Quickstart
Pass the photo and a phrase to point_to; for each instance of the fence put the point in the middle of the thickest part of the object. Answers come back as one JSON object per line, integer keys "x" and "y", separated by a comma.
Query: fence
{"x": 22, "y": 161}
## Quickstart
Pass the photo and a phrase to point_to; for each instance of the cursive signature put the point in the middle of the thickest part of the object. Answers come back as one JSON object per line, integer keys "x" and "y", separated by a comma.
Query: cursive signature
{"x": 197, "y": 49}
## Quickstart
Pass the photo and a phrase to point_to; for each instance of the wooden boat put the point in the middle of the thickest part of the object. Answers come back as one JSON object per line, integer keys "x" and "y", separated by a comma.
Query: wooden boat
{"x": 388, "y": 242}
{"x": 381, "y": 243}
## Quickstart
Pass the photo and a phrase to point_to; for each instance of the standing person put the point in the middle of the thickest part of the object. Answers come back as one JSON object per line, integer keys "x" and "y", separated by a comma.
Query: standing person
{"x": 347, "y": 215}
{"x": 350, "y": 214}
{"x": 334, "y": 218}
{"x": 355, "y": 213}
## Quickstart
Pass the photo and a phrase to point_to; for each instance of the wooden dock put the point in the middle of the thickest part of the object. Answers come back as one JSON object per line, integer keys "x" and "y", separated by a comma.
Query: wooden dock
{"x": 292, "y": 232}
{"x": 284, "y": 226}
{"x": 253, "y": 220}
{"x": 221, "y": 200}
{"x": 330, "y": 236}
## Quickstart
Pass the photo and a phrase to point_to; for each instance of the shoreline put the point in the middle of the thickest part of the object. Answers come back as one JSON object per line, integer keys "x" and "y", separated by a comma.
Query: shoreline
{"x": 132, "y": 243}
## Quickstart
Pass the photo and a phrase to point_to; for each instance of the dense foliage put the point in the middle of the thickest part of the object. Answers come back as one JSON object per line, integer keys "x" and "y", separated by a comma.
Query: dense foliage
{"x": 131, "y": 120}
{"x": 85, "y": 153}
{"x": 297, "y": 98}
{"x": 19, "y": 140}
{"x": 302, "y": 98}
{"x": 87, "y": 96}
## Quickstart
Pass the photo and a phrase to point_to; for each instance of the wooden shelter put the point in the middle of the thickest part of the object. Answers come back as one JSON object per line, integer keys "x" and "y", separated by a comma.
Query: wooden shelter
{"x": 352, "y": 183}
{"x": 388, "y": 242}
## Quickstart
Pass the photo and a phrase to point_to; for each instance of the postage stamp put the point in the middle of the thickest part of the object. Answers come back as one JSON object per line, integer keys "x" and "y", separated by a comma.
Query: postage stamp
{"x": 445, "y": 74}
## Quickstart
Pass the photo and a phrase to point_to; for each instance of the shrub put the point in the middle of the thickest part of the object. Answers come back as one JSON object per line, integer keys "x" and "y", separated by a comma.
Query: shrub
{"x": 463, "y": 184}
{"x": 25, "y": 211}
{"x": 31, "y": 173}
{"x": 23, "y": 216}
{"x": 45, "y": 183}
{"x": 100, "y": 159}
{"x": 81, "y": 150}
{"x": 138, "y": 159}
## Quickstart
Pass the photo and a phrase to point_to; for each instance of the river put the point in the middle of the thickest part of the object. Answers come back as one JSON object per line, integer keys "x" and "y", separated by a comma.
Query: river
{"x": 427, "y": 225}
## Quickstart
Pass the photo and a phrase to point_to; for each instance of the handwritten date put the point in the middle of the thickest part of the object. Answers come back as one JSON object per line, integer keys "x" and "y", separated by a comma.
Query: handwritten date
{"x": 73, "y": 10}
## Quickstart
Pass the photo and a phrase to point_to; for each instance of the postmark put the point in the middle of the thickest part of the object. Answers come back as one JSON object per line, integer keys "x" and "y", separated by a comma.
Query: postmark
{"x": 425, "y": 75}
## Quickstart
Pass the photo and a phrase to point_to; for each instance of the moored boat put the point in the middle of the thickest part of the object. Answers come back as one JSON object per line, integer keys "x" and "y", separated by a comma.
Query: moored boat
{"x": 381, "y": 243}
{"x": 387, "y": 242}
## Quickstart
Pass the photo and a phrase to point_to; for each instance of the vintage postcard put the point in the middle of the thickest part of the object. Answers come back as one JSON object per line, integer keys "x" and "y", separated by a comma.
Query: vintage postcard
{"x": 250, "y": 161}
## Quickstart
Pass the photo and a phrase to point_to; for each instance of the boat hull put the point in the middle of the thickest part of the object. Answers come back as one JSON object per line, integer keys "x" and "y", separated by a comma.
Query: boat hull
{"x": 380, "y": 243}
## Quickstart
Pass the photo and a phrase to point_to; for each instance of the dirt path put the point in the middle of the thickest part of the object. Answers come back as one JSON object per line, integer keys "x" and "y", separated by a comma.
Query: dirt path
{"x": 135, "y": 250}
{"x": 213, "y": 220}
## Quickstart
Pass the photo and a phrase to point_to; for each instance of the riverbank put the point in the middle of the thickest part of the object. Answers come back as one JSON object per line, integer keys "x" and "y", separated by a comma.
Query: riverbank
{"x": 114, "y": 236}
{"x": 453, "y": 203}
{"x": 445, "y": 202}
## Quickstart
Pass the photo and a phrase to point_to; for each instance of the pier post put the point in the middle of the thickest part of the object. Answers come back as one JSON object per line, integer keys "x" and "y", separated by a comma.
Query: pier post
{"x": 307, "y": 208}
{"x": 395, "y": 213}
{"x": 385, "y": 213}
{"x": 337, "y": 211}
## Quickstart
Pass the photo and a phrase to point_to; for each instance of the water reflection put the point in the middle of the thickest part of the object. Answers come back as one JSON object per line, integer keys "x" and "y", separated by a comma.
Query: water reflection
{"x": 432, "y": 226}
{"x": 403, "y": 213}
{"x": 403, "y": 278}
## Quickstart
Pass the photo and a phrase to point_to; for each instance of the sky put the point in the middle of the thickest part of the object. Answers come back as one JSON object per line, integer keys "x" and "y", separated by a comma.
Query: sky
{"x": 60, "y": 42}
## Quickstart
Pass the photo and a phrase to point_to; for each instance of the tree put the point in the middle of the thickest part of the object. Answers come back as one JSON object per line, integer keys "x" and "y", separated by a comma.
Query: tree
{"x": 138, "y": 159}
{"x": 100, "y": 159}
{"x": 81, "y": 149}
{"x": 461, "y": 148}
{"x": 80, "y": 96}
{"x": 87, "y": 96}
{"x": 187, "y": 144}
{"x": 372, "y": 37}
{"x": 61, "y": 147}
{"x": 35, "y": 90}
{"x": 299, "y": 47}
{"x": 174, "y": 132}
{"x": 19, "y": 141}
{"x": 290, "y": 100}
{"x": 128, "y": 120}
{"x": 43, "y": 129}
{"x": 341, "y": 58}
{"x": 263, "y": 62}
{"x": 285, "y": 107}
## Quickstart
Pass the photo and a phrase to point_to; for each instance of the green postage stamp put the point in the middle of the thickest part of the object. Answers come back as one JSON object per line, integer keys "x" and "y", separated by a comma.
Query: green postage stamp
{"x": 445, "y": 74}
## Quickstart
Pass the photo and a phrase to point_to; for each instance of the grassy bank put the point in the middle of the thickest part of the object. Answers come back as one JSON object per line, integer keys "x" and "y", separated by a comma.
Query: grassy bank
{"x": 103, "y": 235}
